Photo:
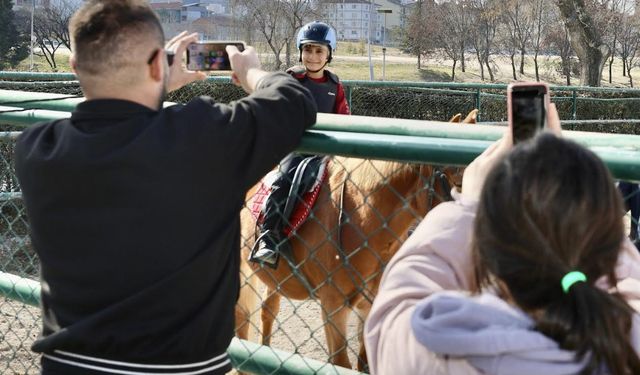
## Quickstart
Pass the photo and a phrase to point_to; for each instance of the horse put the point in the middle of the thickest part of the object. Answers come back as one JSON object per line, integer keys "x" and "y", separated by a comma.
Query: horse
{"x": 364, "y": 211}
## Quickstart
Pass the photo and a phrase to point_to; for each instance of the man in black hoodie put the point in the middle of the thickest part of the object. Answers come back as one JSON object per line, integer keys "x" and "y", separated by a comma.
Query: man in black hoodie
{"x": 134, "y": 209}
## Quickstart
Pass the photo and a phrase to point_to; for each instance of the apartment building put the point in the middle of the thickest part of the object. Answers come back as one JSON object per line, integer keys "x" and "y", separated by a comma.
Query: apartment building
{"x": 209, "y": 18}
{"x": 355, "y": 20}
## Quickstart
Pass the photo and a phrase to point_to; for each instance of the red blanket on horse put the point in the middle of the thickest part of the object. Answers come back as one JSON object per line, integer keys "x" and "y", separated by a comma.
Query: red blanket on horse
{"x": 301, "y": 209}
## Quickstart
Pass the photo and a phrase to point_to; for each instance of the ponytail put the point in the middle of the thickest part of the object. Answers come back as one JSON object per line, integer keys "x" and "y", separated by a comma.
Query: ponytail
{"x": 596, "y": 325}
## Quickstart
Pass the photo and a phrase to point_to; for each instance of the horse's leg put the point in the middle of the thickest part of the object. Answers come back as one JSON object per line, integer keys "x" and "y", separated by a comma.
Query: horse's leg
{"x": 362, "y": 311}
{"x": 334, "y": 316}
{"x": 247, "y": 301}
{"x": 270, "y": 309}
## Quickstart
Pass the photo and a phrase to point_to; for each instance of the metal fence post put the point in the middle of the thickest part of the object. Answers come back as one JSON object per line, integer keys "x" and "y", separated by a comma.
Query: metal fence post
{"x": 478, "y": 105}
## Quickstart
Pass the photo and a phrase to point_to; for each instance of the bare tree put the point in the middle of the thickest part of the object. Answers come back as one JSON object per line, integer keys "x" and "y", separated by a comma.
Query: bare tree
{"x": 450, "y": 34}
{"x": 629, "y": 43}
{"x": 277, "y": 22}
{"x": 483, "y": 31}
{"x": 586, "y": 39}
{"x": 611, "y": 36}
{"x": 542, "y": 18}
{"x": 558, "y": 41}
{"x": 297, "y": 13}
{"x": 418, "y": 38}
{"x": 518, "y": 18}
{"x": 50, "y": 28}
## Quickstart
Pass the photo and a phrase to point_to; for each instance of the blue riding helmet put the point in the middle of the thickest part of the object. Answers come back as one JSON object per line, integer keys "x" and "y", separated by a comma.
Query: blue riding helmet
{"x": 318, "y": 33}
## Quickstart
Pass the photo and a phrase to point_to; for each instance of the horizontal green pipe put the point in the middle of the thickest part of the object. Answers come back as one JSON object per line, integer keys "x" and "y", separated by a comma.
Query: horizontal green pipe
{"x": 39, "y": 100}
{"x": 258, "y": 359}
{"x": 10, "y": 195}
{"x": 25, "y": 117}
{"x": 436, "y": 129}
{"x": 358, "y": 124}
{"x": 20, "y": 289}
{"x": 8, "y": 135}
{"x": 422, "y": 141}
{"x": 566, "y": 123}
{"x": 245, "y": 355}
{"x": 36, "y": 76}
{"x": 62, "y": 102}
{"x": 623, "y": 162}
{"x": 399, "y": 84}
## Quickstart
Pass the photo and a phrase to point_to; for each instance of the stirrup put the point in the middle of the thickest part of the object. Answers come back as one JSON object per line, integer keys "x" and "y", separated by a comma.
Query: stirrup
{"x": 265, "y": 255}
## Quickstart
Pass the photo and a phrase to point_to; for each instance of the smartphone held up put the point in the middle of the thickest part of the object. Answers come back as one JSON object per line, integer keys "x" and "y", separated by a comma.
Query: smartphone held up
{"x": 527, "y": 104}
{"x": 210, "y": 55}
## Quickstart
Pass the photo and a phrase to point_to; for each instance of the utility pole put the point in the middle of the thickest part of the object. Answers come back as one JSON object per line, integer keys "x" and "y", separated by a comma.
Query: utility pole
{"x": 33, "y": 10}
{"x": 384, "y": 36}
{"x": 371, "y": 13}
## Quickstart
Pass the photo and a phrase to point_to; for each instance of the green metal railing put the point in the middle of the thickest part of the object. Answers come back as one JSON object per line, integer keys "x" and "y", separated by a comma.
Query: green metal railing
{"x": 415, "y": 141}
{"x": 356, "y": 136}
{"x": 477, "y": 92}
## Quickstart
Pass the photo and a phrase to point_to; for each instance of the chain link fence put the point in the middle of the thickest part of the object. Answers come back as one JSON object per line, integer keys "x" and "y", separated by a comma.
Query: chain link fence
{"x": 337, "y": 257}
{"x": 437, "y": 101}
{"x": 382, "y": 202}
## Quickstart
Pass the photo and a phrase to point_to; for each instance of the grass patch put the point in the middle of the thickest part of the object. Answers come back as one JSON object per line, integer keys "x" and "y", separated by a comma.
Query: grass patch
{"x": 40, "y": 63}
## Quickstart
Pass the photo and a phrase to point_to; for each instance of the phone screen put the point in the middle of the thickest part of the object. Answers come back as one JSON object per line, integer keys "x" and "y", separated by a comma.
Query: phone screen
{"x": 528, "y": 112}
{"x": 210, "y": 55}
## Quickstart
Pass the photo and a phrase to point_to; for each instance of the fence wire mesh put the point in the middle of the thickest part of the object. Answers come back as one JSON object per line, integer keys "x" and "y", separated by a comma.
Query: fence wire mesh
{"x": 337, "y": 258}
{"x": 419, "y": 100}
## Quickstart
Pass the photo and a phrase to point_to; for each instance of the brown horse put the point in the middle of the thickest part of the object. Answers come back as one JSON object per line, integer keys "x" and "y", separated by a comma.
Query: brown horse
{"x": 364, "y": 211}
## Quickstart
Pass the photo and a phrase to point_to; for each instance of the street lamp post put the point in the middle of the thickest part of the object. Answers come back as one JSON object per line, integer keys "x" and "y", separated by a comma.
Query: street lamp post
{"x": 369, "y": 23}
{"x": 384, "y": 36}
{"x": 33, "y": 10}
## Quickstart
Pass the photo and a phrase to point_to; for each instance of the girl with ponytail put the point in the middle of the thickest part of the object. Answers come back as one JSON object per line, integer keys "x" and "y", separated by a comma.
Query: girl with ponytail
{"x": 527, "y": 272}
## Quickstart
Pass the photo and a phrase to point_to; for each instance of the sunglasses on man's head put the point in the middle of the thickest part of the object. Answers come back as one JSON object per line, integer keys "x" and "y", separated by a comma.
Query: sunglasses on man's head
{"x": 170, "y": 55}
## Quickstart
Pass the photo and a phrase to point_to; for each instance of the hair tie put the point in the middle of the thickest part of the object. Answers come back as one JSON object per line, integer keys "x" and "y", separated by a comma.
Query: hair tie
{"x": 571, "y": 278}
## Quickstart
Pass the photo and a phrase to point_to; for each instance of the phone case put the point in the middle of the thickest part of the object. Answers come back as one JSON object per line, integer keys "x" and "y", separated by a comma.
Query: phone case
{"x": 517, "y": 85}
{"x": 208, "y": 61}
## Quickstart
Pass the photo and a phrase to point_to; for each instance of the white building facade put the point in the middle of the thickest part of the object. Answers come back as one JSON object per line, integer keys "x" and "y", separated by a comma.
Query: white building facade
{"x": 355, "y": 20}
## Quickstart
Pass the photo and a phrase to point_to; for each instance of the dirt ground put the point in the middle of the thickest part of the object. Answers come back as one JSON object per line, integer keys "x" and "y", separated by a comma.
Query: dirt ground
{"x": 297, "y": 329}
{"x": 19, "y": 327}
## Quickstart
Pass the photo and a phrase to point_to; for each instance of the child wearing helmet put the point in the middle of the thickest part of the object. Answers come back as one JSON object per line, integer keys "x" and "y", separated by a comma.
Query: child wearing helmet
{"x": 316, "y": 42}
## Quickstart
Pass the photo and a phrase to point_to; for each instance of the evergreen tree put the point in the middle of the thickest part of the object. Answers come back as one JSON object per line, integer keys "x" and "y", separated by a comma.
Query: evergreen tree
{"x": 14, "y": 45}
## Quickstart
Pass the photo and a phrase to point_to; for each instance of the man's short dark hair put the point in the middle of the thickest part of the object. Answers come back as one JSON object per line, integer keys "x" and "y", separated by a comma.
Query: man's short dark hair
{"x": 107, "y": 35}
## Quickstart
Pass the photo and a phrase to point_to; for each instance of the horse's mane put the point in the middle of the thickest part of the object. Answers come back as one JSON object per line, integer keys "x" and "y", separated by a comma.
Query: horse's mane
{"x": 369, "y": 174}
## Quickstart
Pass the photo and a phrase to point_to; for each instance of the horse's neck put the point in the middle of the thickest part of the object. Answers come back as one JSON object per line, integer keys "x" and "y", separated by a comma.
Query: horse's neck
{"x": 371, "y": 175}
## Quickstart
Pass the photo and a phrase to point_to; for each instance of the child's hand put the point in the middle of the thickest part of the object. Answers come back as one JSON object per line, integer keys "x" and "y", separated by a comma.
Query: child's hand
{"x": 476, "y": 172}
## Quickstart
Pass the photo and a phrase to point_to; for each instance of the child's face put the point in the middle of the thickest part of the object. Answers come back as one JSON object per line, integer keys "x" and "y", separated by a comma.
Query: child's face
{"x": 314, "y": 56}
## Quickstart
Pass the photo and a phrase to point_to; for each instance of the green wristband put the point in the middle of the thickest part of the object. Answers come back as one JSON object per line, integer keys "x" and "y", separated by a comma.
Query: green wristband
{"x": 571, "y": 278}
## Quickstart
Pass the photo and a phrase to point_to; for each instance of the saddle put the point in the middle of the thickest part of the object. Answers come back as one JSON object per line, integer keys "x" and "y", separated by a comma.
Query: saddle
{"x": 305, "y": 187}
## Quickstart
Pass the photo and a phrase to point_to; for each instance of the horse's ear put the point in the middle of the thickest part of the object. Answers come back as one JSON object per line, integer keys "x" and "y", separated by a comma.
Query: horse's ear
{"x": 456, "y": 118}
{"x": 471, "y": 117}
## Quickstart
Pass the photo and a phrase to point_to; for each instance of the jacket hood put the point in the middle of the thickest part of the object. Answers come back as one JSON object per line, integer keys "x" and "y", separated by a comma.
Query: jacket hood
{"x": 493, "y": 336}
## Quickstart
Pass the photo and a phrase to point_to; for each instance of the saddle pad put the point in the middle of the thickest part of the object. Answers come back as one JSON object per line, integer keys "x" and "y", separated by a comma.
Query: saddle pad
{"x": 302, "y": 208}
